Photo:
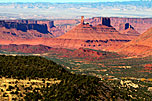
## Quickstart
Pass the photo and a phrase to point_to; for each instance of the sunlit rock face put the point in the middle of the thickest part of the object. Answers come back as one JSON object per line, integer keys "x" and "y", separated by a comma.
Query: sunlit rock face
{"x": 12, "y": 30}
{"x": 83, "y": 35}
{"x": 141, "y": 46}
{"x": 85, "y": 31}
{"x": 139, "y": 24}
{"x": 96, "y": 37}
{"x": 24, "y": 25}
{"x": 128, "y": 29}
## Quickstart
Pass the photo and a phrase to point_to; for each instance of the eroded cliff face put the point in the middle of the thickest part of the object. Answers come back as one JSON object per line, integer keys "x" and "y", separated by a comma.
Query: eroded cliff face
{"x": 24, "y": 29}
{"x": 99, "y": 20}
{"x": 126, "y": 28}
{"x": 14, "y": 34}
{"x": 59, "y": 27}
{"x": 95, "y": 37}
{"x": 49, "y": 24}
{"x": 83, "y": 35}
{"x": 25, "y": 25}
{"x": 139, "y": 24}
{"x": 141, "y": 46}
{"x": 102, "y": 31}
{"x": 102, "y": 35}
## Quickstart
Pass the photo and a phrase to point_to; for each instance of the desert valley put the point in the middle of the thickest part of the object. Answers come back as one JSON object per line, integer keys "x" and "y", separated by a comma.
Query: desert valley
{"x": 93, "y": 58}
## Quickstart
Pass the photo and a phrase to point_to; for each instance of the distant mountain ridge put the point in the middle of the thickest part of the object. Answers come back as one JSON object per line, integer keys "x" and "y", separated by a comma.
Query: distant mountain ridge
{"x": 39, "y": 10}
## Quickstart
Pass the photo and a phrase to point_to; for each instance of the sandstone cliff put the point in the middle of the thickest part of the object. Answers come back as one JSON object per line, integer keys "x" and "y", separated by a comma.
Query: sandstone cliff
{"x": 139, "y": 24}
{"x": 95, "y": 37}
{"x": 103, "y": 31}
{"x": 42, "y": 28}
{"x": 141, "y": 46}
{"x": 101, "y": 35}
{"x": 128, "y": 29}
{"x": 13, "y": 34}
{"x": 83, "y": 35}
{"x": 24, "y": 29}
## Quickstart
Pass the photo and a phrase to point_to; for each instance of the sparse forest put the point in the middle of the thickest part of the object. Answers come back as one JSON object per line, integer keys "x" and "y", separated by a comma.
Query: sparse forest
{"x": 72, "y": 86}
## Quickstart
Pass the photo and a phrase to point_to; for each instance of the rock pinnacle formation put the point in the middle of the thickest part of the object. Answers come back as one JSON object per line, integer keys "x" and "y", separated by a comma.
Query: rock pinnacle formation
{"x": 83, "y": 35}
{"x": 128, "y": 29}
{"x": 103, "y": 31}
{"x": 82, "y": 20}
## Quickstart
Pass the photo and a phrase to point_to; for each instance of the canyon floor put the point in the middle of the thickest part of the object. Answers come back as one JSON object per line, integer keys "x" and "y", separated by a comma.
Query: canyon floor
{"x": 116, "y": 55}
{"x": 105, "y": 65}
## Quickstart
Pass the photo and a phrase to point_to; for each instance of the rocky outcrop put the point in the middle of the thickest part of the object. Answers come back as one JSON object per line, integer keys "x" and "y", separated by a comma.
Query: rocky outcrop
{"x": 49, "y": 24}
{"x": 127, "y": 29}
{"x": 103, "y": 31}
{"x": 24, "y": 29}
{"x": 144, "y": 39}
{"x": 95, "y": 37}
{"x": 139, "y": 24}
{"x": 101, "y": 36}
{"x": 141, "y": 46}
{"x": 66, "y": 25}
{"x": 101, "y": 20}
{"x": 83, "y": 35}
{"x": 125, "y": 26}
{"x": 62, "y": 26}
{"x": 14, "y": 34}
{"x": 42, "y": 28}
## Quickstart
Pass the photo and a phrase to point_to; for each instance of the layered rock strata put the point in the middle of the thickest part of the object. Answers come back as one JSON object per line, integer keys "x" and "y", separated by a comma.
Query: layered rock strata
{"x": 139, "y": 24}
{"x": 127, "y": 29}
{"x": 24, "y": 29}
{"x": 141, "y": 46}
{"x": 83, "y": 35}
{"x": 96, "y": 37}
{"x": 24, "y": 25}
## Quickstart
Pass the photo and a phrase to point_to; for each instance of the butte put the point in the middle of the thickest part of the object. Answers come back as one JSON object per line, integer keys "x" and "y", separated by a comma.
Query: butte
{"x": 84, "y": 35}
{"x": 96, "y": 37}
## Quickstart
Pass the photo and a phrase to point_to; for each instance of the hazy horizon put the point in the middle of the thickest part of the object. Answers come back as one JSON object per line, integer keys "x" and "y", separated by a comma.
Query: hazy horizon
{"x": 73, "y": 10}
{"x": 64, "y": 1}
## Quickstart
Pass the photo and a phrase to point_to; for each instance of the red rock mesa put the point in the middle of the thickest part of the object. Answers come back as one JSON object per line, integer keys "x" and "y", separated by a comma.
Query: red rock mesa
{"x": 83, "y": 35}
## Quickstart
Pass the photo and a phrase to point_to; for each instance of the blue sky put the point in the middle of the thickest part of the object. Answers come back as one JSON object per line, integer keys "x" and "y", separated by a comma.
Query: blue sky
{"x": 64, "y": 0}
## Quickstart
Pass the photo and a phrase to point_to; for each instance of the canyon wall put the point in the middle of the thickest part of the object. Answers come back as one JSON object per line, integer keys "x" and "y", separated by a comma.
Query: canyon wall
{"x": 24, "y": 29}
{"x": 59, "y": 27}
{"x": 24, "y": 25}
{"x": 140, "y": 24}
{"x": 99, "y": 34}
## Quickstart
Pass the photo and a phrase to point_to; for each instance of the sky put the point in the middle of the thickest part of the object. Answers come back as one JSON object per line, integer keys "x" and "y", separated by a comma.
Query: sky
{"x": 65, "y": 0}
